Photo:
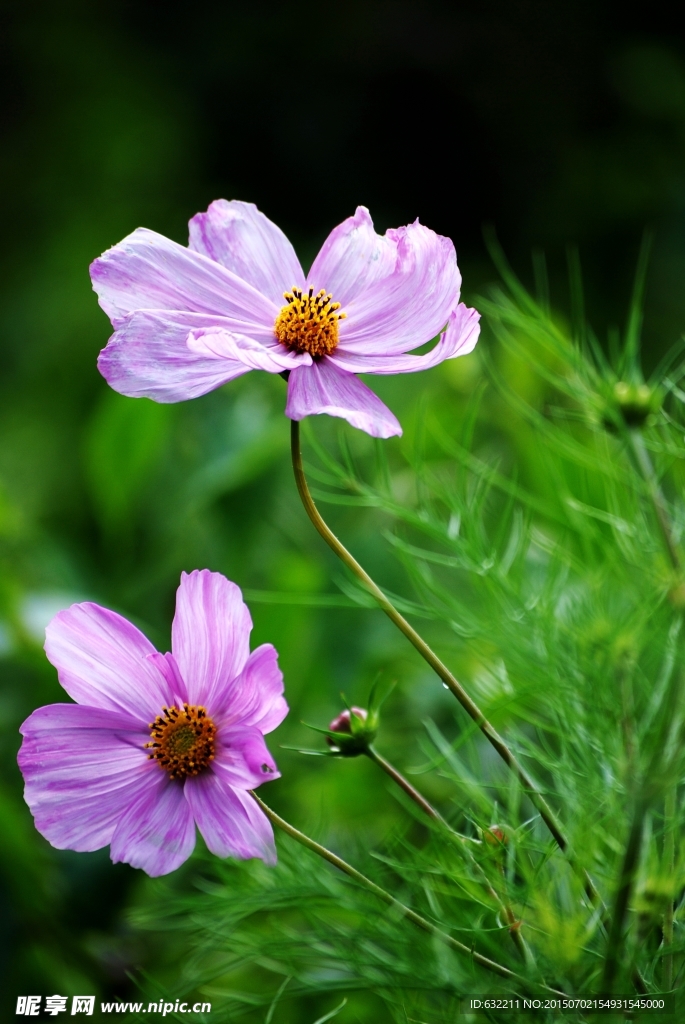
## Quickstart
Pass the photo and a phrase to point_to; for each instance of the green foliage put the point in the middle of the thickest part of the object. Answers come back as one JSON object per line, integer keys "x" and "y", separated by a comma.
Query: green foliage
{"x": 123, "y": 446}
{"x": 542, "y": 550}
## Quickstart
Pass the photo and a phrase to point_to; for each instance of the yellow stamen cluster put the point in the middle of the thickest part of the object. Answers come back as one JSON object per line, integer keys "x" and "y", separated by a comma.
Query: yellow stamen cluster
{"x": 309, "y": 323}
{"x": 182, "y": 740}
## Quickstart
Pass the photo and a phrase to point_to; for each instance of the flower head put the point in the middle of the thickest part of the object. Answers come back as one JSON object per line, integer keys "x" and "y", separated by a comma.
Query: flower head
{"x": 352, "y": 731}
{"x": 156, "y": 743}
{"x": 188, "y": 320}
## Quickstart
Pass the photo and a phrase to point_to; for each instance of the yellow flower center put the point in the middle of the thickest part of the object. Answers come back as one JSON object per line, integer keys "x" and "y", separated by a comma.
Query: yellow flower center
{"x": 182, "y": 740}
{"x": 309, "y": 323}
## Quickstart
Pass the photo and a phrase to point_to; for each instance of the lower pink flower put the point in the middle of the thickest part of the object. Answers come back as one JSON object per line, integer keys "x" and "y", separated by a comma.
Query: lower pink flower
{"x": 156, "y": 743}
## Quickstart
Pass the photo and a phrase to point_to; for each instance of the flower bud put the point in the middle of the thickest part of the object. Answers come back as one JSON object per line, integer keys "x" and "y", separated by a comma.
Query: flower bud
{"x": 636, "y": 402}
{"x": 495, "y": 836}
{"x": 354, "y": 729}
{"x": 342, "y": 722}
{"x": 494, "y": 845}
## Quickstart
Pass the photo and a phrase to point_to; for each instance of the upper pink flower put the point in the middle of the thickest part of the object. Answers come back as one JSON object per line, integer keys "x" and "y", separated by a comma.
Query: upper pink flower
{"x": 156, "y": 743}
{"x": 189, "y": 320}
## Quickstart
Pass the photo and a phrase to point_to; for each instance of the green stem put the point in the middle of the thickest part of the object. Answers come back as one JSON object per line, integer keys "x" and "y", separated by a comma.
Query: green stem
{"x": 386, "y": 897}
{"x": 465, "y": 843}
{"x": 650, "y": 478}
{"x": 649, "y": 475}
{"x": 669, "y": 864}
{"x": 471, "y": 708}
{"x": 404, "y": 784}
{"x": 625, "y": 887}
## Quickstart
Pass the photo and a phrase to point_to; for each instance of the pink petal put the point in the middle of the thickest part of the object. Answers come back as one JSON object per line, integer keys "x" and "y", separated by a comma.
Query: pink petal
{"x": 217, "y": 343}
{"x": 156, "y": 833}
{"x": 458, "y": 339}
{"x": 210, "y": 635}
{"x": 149, "y": 357}
{"x": 247, "y": 243}
{"x": 411, "y": 305}
{"x": 102, "y": 661}
{"x": 322, "y": 387}
{"x": 230, "y": 821}
{"x": 255, "y": 697}
{"x": 82, "y": 768}
{"x": 148, "y": 271}
{"x": 352, "y": 258}
{"x": 242, "y": 759}
{"x": 166, "y": 663}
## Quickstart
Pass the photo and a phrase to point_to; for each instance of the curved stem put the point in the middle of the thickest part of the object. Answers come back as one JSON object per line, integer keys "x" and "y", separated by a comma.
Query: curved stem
{"x": 649, "y": 475}
{"x": 465, "y": 843}
{"x": 646, "y": 468}
{"x": 386, "y": 897}
{"x": 404, "y": 784}
{"x": 623, "y": 893}
{"x": 471, "y": 708}
{"x": 669, "y": 863}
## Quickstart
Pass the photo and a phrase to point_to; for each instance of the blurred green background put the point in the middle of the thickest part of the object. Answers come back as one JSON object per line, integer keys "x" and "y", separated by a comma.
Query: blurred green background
{"x": 558, "y": 123}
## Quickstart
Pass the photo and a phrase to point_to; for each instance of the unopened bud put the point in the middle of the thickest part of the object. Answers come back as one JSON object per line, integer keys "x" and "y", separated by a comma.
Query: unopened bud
{"x": 636, "y": 402}
{"x": 354, "y": 730}
{"x": 495, "y": 836}
{"x": 342, "y": 722}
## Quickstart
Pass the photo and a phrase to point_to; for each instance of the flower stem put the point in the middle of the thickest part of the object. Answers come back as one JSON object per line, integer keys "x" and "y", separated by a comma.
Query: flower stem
{"x": 404, "y": 784}
{"x": 669, "y": 864}
{"x": 465, "y": 843}
{"x": 649, "y": 475}
{"x": 386, "y": 897}
{"x": 471, "y": 708}
{"x": 646, "y": 467}
{"x": 629, "y": 866}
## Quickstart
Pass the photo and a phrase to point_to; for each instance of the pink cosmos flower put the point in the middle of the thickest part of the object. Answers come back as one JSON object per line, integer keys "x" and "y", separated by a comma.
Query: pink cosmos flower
{"x": 189, "y": 320}
{"x": 156, "y": 743}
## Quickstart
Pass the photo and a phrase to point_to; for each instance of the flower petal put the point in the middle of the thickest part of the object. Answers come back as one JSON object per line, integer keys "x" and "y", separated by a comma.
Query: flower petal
{"x": 230, "y": 821}
{"x": 352, "y": 258}
{"x": 458, "y": 339}
{"x": 149, "y": 357}
{"x": 217, "y": 343}
{"x": 148, "y": 271}
{"x": 243, "y": 240}
{"x": 157, "y": 832}
{"x": 242, "y": 759}
{"x": 210, "y": 635}
{"x": 82, "y": 767}
{"x": 102, "y": 661}
{"x": 411, "y": 305}
{"x": 166, "y": 663}
{"x": 255, "y": 697}
{"x": 322, "y": 387}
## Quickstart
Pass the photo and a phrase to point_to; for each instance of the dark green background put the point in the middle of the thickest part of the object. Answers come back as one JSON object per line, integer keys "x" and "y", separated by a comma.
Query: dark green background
{"x": 558, "y": 123}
